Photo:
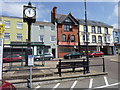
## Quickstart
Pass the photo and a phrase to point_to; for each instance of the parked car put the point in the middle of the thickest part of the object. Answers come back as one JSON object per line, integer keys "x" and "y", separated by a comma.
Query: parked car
{"x": 7, "y": 86}
{"x": 46, "y": 56}
{"x": 12, "y": 58}
{"x": 96, "y": 53}
{"x": 73, "y": 55}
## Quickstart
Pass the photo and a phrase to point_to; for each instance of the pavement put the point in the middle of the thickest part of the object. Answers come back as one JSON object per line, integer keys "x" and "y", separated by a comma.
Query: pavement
{"x": 114, "y": 58}
{"x": 43, "y": 74}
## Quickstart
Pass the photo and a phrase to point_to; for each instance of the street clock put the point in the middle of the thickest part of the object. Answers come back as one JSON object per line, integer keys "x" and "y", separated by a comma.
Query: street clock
{"x": 29, "y": 13}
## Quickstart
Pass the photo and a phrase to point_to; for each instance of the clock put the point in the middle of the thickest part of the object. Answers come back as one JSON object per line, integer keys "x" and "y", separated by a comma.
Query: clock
{"x": 30, "y": 12}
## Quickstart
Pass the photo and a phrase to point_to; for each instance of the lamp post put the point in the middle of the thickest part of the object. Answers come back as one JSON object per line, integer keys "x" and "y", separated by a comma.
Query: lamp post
{"x": 86, "y": 37}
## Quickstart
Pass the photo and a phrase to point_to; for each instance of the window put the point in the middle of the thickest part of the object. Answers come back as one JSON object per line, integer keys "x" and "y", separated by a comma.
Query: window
{"x": 7, "y": 36}
{"x": 99, "y": 38}
{"x": 63, "y": 38}
{"x": 7, "y": 24}
{"x": 84, "y": 28}
{"x": 20, "y": 25}
{"x": 93, "y": 38}
{"x": 52, "y": 28}
{"x": 67, "y": 20}
{"x": 99, "y": 29}
{"x": 116, "y": 34}
{"x": 19, "y": 36}
{"x": 72, "y": 38}
{"x": 67, "y": 28}
{"x": 105, "y": 39}
{"x": 41, "y": 38}
{"x": 52, "y": 38}
{"x": 106, "y": 30}
{"x": 93, "y": 29}
{"x": 83, "y": 38}
{"x": 116, "y": 39}
{"x": 41, "y": 27}
{"x": 108, "y": 38}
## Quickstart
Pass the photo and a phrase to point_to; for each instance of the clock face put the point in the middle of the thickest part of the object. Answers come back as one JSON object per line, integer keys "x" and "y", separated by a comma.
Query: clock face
{"x": 29, "y": 12}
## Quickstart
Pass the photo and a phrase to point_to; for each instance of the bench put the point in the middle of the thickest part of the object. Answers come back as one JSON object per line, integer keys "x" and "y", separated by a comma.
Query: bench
{"x": 72, "y": 65}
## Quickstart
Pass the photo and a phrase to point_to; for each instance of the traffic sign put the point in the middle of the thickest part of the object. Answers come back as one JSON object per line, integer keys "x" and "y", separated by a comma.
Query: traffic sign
{"x": 30, "y": 60}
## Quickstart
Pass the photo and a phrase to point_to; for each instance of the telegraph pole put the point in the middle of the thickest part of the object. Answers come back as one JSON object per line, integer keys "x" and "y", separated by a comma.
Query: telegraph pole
{"x": 86, "y": 37}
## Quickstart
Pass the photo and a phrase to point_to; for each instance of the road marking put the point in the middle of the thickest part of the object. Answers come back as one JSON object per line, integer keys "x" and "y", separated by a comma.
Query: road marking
{"x": 91, "y": 82}
{"x": 37, "y": 87}
{"x": 74, "y": 84}
{"x": 108, "y": 85}
{"x": 106, "y": 81}
{"x": 56, "y": 85}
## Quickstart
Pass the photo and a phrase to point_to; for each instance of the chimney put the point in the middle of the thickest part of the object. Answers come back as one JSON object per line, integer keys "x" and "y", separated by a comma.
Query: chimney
{"x": 54, "y": 12}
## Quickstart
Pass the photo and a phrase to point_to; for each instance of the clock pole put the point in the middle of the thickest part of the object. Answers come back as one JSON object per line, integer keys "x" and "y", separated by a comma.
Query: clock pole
{"x": 29, "y": 34}
{"x": 29, "y": 16}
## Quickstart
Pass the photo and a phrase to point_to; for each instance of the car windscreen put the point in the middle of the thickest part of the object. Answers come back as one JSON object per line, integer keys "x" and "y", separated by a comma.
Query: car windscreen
{"x": 47, "y": 54}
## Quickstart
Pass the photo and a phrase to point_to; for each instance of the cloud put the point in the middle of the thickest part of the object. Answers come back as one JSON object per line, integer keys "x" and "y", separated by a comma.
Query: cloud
{"x": 116, "y": 26}
{"x": 116, "y": 10}
{"x": 16, "y": 9}
{"x": 13, "y": 9}
{"x": 45, "y": 21}
{"x": 42, "y": 11}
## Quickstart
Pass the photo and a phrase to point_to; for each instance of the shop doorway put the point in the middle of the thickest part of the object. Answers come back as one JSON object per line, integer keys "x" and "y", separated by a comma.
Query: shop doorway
{"x": 53, "y": 52}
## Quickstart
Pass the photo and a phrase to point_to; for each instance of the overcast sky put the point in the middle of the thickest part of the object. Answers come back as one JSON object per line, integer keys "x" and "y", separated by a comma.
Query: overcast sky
{"x": 99, "y": 10}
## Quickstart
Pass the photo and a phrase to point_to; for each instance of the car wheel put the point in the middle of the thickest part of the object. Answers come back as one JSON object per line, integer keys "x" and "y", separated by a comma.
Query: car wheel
{"x": 69, "y": 57}
{"x": 102, "y": 55}
{"x": 50, "y": 58}
{"x": 93, "y": 56}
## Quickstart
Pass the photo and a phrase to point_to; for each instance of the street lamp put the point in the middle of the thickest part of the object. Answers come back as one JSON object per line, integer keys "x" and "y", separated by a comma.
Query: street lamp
{"x": 86, "y": 37}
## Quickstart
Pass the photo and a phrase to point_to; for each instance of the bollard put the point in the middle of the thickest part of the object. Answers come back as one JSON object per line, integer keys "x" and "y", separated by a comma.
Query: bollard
{"x": 59, "y": 68}
{"x": 84, "y": 66}
{"x": 103, "y": 65}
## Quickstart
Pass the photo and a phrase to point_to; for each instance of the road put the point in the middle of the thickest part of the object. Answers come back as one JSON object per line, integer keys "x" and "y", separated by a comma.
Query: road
{"x": 95, "y": 82}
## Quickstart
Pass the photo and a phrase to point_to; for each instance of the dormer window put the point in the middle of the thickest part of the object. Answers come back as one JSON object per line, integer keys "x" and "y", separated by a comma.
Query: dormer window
{"x": 67, "y": 27}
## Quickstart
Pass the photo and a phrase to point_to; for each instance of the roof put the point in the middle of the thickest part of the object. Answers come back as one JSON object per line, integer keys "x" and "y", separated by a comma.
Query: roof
{"x": 12, "y": 17}
{"x": 61, "y": 17}
{"x": 37, "y": 22}
{"x": 116, "y": 30}
{"x": 93, "y": 23}
{"x": 43, "y": 23}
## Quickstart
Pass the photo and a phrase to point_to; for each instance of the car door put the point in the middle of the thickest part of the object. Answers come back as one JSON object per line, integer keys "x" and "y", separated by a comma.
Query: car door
{"x": 97, "y": 53}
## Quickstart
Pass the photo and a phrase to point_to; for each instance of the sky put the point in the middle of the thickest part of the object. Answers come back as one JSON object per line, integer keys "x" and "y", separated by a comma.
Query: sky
{"x": 98, "y": 10}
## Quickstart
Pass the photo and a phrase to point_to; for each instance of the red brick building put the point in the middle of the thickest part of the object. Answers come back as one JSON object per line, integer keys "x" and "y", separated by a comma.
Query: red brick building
{"x": 67, "y": 32}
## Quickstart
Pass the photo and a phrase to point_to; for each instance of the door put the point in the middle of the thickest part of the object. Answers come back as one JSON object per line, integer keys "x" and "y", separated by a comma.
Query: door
{"x": 53, "y": 52}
